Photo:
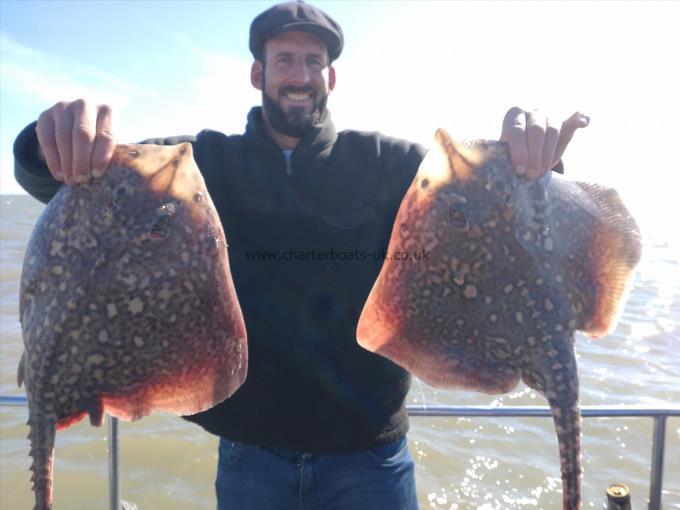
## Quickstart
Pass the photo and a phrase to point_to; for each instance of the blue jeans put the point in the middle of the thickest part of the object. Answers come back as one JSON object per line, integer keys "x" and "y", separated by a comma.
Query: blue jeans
{"x": 254, "y": 478}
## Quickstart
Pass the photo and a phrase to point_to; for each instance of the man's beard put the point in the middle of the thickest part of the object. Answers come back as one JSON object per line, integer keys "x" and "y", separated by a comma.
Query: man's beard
{"x": 297, "y": 120}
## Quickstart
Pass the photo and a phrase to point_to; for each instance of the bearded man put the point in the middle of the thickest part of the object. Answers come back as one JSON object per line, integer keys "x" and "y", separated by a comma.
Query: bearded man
{"x": 319, "y": 423}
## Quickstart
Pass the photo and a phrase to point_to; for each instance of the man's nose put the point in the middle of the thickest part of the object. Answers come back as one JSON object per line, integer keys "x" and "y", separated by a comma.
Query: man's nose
{"x": 299, "y": 73}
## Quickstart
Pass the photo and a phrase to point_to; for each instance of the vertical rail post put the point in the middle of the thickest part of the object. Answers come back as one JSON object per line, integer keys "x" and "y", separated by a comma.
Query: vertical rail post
{"x": 114, "y": 486}
{"x": 658, "y": 445}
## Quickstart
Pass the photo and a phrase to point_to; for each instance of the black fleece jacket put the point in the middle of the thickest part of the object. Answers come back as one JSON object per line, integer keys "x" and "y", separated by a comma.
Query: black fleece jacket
{"x": 306, "y": 242}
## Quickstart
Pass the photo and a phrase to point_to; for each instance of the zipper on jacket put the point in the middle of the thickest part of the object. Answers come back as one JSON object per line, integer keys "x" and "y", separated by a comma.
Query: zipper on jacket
{"x": 288, "y": 155}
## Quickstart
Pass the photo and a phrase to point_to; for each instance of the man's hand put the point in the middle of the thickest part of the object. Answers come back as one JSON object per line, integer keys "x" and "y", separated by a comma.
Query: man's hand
{"x": 536, "y": 145}
{"x": 73, "y": 151}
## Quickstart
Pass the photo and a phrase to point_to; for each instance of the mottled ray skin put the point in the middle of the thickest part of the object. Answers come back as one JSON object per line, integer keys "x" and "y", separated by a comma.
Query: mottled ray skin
{"x": 514, "y": 267}
{"x": 127, "y": 304}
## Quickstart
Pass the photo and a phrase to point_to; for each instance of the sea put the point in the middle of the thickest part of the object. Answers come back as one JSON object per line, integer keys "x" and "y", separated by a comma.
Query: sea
{"x": 461, "y": 463}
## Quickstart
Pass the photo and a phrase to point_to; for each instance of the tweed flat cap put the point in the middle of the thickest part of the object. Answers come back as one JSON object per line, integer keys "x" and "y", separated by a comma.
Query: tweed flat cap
{"x": 289, "y": 16}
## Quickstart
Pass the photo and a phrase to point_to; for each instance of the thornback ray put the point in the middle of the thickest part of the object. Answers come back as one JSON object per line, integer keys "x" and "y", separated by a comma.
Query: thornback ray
{"x": 512, "y": 269}
{"x": 127, "y": 304}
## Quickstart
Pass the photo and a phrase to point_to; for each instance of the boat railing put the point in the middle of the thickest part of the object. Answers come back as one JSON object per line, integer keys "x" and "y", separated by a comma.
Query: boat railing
{"x": 659, "y": 414}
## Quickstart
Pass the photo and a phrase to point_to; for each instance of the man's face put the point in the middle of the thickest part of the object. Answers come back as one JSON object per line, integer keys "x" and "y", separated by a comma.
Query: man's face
{"x": 295, "y": 81}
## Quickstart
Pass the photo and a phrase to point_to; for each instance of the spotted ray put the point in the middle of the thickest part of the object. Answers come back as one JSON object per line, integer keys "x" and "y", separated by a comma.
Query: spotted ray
{"x": 511, "y": 269}
{"x": 127, "y": 304}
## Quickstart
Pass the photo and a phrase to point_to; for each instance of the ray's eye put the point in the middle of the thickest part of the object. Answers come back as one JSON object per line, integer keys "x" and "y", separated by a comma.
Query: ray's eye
{"x": 458, "y": 218}
{"x": 503, "y": 189}
{"x": 161, "y": 226}
{"x": 116, "y": 197}
{"x": 158, "y": 233}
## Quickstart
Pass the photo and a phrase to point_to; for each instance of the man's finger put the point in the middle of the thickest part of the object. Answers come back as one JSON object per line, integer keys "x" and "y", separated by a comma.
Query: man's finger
{"x": 535, "y": 133}
{"x": 513, "y": 117}
{"x": 83, "y": 138}
{"x": 569, "y": 127}
{"x": 549, "y": 145}
{"x": 104, "y": 142}
{"x": 513, "y": 133}
{"x": 63, "y": 134}
{"x": 45, "y": 132}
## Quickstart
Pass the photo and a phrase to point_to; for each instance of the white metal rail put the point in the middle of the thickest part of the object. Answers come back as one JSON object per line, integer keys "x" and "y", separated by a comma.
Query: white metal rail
{"x": 658, "y": 414}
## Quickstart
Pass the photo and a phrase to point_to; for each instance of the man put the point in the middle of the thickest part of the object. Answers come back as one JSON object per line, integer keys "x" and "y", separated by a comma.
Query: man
{"x": 319, "y": 423}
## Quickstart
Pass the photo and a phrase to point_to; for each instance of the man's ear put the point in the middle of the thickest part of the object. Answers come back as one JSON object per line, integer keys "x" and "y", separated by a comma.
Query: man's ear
{"x": 331, "y": 77}
{"x": 256, "y": 74}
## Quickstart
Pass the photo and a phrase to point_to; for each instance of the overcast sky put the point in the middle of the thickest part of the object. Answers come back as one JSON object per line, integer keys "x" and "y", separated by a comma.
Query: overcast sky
{"x": 175, "y": 67}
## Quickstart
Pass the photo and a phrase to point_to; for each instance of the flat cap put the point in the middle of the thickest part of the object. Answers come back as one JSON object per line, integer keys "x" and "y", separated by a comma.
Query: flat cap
{"x": 298, "y": 15}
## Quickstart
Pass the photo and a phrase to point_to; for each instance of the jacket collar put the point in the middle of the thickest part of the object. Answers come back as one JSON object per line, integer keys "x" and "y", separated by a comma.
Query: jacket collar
{"x": 317, "y": 142}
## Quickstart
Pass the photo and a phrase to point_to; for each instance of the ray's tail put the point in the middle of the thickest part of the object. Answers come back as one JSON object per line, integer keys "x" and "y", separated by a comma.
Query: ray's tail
{"x": 558, "y": 381}
{"x": 562, "y": 392}
{"x": 41, "y": 436}
{"x": 567, "y": 419}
